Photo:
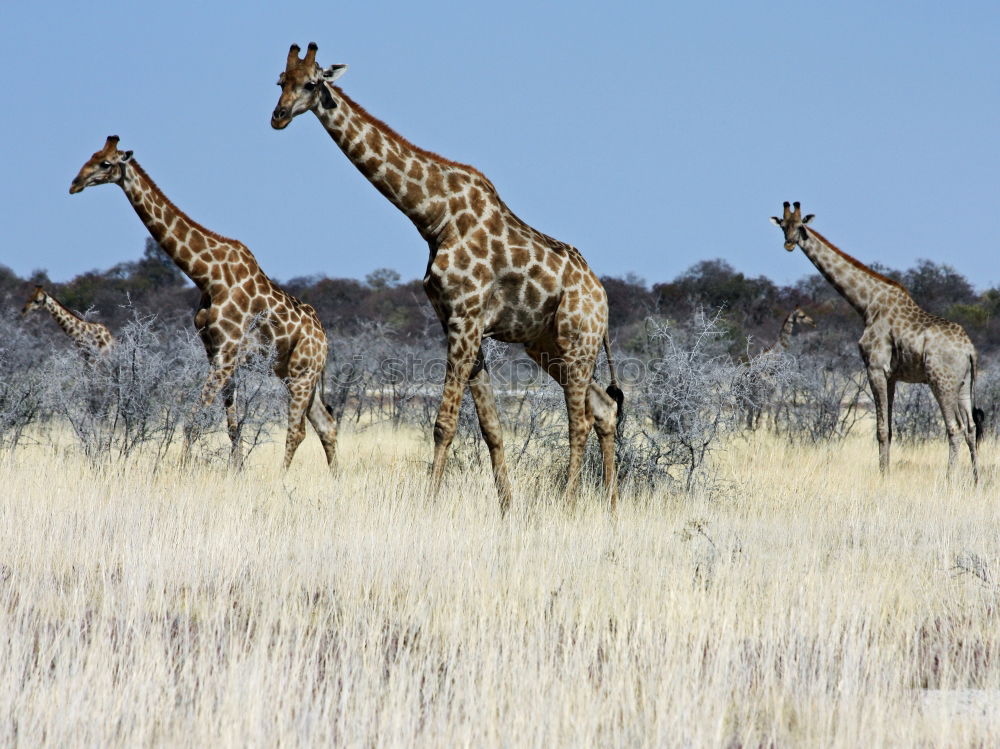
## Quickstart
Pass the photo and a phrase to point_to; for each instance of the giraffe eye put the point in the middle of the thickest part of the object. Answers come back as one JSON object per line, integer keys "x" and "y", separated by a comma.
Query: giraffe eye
{"x": 309, "y": 86}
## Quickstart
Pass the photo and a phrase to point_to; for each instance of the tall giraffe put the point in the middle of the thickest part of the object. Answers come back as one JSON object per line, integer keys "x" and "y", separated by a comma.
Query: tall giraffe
{"x": 900, "y": 343}
{"x": 91, "y": 338}
{"x": 489, "y": 274}
{"x": 239, "y": 303}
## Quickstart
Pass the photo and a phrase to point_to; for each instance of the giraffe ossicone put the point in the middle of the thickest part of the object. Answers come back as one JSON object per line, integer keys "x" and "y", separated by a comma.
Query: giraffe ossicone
{"x": 901, "y": 342}
{"x": 240, "y": 305}
{"x": 488, "y": 274}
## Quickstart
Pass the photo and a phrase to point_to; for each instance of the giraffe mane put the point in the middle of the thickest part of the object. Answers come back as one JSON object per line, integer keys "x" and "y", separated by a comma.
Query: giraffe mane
{"x": 365, "y": 115}
{"x": 855, "y": 262}
{"x": 170, "y": 204}
{"x": 386, "y": 129}
{"x": 66, "y": 309}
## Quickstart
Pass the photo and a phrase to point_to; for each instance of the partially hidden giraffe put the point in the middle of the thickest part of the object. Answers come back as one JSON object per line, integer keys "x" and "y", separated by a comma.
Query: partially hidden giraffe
{"x": 489, "y": 274}
{"x": 91, "y": 338}
{"x": 794, "y": 322}
{"x": 762, "y": 384}
{"x": 900, "y": 343}
{"x": 240, "y": 306}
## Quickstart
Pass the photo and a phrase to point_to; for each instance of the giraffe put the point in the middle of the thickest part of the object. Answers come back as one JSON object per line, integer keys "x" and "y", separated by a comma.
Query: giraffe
{"x": 239, "y": 304}
{"x": 91, "y": 338}
{"x": 900, "y": 343}
{"x": 489, "y": 274}
{"x": 762, "y": 383}
{"x": 793, "y": 323}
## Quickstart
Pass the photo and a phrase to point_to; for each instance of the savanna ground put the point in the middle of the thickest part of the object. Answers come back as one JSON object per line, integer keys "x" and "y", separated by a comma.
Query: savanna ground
{"x": 802, "y": 600}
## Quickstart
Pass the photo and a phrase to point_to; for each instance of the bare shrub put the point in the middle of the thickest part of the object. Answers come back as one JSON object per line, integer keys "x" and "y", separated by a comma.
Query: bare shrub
{"x": 693, "y": 394}
{"x": 916, "y": 416}
{"x": 684, "y": 394}
{"x": 21, "y": 406}
{"x": 988, "y": 394}
{"x": 142, "y": 393}
{"x": 820, "y": 400}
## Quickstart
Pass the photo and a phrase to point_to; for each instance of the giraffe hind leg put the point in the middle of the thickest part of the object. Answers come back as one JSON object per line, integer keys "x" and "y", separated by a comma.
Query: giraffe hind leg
{"x": 956, "y": 430}
{"x": 604, "y": 409}
{"x": 575, "y": 381}
{"x": 970, "y": 419}
{"x": 300, "y": 392}
{"x": 325, "y": 425}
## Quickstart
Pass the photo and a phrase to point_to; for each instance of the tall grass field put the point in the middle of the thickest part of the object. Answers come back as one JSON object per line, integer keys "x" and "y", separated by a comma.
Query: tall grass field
{"x": 798, "y": 599}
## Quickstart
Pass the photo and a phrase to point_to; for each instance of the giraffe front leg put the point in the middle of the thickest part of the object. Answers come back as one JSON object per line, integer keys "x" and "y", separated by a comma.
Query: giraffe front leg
{"x": 233, "y": 425}
{"x": 463, "y": 343}
{"x": 481, "y": 386}
{"x": 220, "y": 374}
{"x": 881, "y": 388}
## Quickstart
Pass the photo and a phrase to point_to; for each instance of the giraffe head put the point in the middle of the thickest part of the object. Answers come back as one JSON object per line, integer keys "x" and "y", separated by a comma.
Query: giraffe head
{"x": 107, "y": 165}
{"x": 793, "y": 224}
{"x": 799, "y": 318}
{"x": 35, "y": 301}
{"x": 304, "y": 86}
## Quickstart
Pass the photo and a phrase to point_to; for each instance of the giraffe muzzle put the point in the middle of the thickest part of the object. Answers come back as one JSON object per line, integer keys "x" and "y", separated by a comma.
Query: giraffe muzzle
{"x": 789, "y": 246}
{"x": 280, "y": 118}
{"x": 75, "y": 186}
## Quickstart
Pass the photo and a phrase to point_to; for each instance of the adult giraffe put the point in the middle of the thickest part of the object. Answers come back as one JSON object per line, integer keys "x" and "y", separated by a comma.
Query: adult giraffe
{"x": 900, "y": 343}
{"x": 239, "y": 303}
{"x": 489, "y": 274}
{"x": 91, "y": 338}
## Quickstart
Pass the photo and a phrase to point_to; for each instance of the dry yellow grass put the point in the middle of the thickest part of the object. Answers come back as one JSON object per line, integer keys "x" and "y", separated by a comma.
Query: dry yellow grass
{"x": 806, "y": 602}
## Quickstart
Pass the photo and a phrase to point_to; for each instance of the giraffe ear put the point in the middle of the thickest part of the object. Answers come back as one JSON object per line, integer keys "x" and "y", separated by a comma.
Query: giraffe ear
{"x": 809, "y": 217}
{"x": 326, "y": 98}
{"x": 334, "y": 72}
{"x": 126, "y": 156}
{"x": 775, "y": 220}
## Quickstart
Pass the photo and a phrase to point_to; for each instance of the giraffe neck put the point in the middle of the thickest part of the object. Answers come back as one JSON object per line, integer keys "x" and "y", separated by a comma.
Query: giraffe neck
{"x": 70, "y": 322}
{"x": 785, "y": 336}
{"x": 416, "y": 181}
{"x": 189, "y": 244}
{"x": 853, "y": 280}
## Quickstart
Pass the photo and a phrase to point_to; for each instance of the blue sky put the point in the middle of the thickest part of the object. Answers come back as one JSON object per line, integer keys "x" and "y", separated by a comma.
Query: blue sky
{"x": 651, "y": 136}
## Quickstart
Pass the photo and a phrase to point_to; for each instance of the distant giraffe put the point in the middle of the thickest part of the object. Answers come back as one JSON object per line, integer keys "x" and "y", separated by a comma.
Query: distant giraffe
{"x": 795, "y": 320}
{"x": 91, "y": 338}
{"x": 901, "y": 342}
{"x": 489, "y": 274}
{"x": 762, "y": 384}
{"x": 239, "y": 303}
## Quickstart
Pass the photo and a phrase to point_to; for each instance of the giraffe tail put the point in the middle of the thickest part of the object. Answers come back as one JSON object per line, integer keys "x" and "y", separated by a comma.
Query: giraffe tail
{"x": 322, "y": 395}
{"x": 613, "y": 390}
{"x": 978, "y": 415}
